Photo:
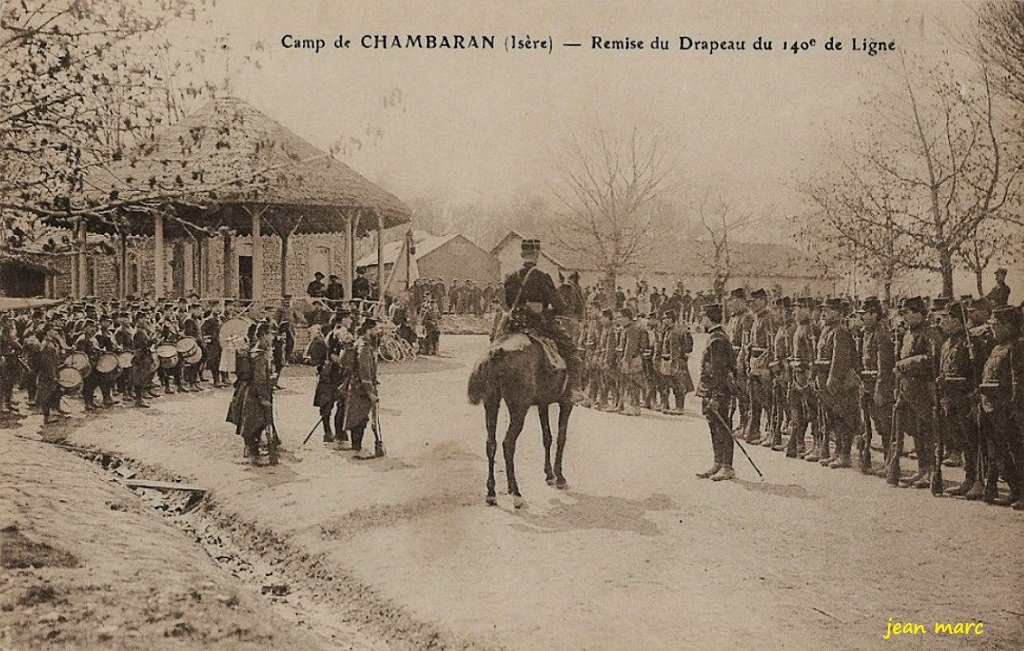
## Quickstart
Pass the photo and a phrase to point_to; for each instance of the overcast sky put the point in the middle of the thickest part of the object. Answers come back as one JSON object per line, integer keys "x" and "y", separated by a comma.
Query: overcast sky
{"x": 477, "y": 126}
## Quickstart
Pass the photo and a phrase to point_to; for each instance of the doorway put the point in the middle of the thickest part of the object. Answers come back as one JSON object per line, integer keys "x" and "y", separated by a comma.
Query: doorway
{"x": 245, "y": 277}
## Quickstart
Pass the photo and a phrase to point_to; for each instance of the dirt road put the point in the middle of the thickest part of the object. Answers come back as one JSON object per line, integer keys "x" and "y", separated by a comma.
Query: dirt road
{"x": 636, "y": 554}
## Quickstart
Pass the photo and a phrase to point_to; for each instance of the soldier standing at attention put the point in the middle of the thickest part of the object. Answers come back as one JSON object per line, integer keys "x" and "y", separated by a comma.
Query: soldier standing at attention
{"x": 1002, "y": 400}
{"x": 715, "y": 390}
{"x": 917, "y": 368}
{"x": 957, "y": 382}
{"x": 877, "y": 379}
{"x": 836, "y": 361}
{"x": 759, "y": 342}
{"x": 781, "y": 377}
{"x": 739, "y": 331}
{"x": 802, "y": 402}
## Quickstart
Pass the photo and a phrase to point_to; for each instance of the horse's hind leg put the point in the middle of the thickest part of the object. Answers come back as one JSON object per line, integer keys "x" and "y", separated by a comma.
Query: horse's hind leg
{"x": 491, "y": 420}
{"x": 517, "y": 414}
{"x": 564, "y": 409}
{"x": 545, "y": 430}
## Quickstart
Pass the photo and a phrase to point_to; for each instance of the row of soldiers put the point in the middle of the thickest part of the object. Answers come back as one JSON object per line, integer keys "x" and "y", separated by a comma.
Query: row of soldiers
{"x": 460, "y": 297}
{"x": 34, "y": 347}
{"x": 945, "y": 372}
{"x": 635, "y": 361}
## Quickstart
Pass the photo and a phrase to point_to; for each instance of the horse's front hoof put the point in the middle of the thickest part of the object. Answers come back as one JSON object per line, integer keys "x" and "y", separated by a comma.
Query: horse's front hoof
{"x": 518, "y": 501}
{"x": 551, "y": 481}
{"x": 492, "y": 500}
{"x": 561, "y": 484}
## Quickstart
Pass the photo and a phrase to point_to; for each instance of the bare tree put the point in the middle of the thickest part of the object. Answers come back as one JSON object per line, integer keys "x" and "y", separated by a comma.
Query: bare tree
{"x": 610, "y": 190}
{"x": 930, "y": 170}
{"x": 719, "y": 224}
{"x": 1001, "y": 44}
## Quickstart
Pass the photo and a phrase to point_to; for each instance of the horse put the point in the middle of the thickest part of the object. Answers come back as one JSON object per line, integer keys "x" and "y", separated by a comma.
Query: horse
{"x": 516, "y": 370}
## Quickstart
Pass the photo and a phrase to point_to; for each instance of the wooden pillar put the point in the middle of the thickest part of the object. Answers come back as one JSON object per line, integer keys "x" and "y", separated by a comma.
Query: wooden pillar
{"x": 122, "y": 266}
{"x": 350, "y": 247}
{"x": 83, "y": 262}
{"x": 188, "y": 263}
{"x": 380, "y": 258}
{"x": 230, "y": 288}
{"x": 257, "y": 255}
{"x": 204, "y": 266}
{"x": 284, "y": 262}
{"x": 158, "y": 255}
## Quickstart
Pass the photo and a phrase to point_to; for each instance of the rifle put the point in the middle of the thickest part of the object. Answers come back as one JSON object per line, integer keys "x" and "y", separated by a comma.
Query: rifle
{"x": 864, "y": 440}
{"x": 892, "y": 475}
{"x": 940, "y": 445}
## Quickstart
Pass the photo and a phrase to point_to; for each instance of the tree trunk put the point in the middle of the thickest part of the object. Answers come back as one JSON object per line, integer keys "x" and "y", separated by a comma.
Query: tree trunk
{"x": 946, "y": 269}
{"x": 978, "y": 281}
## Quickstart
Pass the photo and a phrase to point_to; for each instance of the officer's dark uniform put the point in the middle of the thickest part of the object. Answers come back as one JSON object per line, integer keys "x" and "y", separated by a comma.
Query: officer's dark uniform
{"x": 533, "y": 302}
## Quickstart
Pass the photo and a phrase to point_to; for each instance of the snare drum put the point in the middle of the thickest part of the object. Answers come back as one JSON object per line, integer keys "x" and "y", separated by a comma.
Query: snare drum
{"x": 107, "y": 363}
{"x": 168, "y": 355}
{"x": 69, "y": 378}
{"x": 124, "y": 360}
{"x": 80, "y": 362}
{"x": 186, "y": 346}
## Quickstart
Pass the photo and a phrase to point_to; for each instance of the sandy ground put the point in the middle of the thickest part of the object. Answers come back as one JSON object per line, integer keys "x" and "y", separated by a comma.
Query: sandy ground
{"x": 636, "y": 554}
{"x": 85, "y": 565}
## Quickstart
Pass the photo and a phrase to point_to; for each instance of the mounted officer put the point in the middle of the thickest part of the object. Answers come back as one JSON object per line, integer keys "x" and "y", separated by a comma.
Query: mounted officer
{"x": 533, "y": 303}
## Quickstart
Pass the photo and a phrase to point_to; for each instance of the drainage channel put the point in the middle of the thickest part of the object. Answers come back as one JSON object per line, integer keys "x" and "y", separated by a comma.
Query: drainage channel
{"x": 336, "y": 607}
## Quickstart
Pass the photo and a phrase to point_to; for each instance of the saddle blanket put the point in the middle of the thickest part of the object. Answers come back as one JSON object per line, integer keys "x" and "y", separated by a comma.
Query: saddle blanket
{"x": 520, "y": 340}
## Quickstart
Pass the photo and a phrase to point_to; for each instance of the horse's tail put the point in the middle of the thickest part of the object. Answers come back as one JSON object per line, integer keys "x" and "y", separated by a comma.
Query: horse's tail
{"x": 482, "y": 380}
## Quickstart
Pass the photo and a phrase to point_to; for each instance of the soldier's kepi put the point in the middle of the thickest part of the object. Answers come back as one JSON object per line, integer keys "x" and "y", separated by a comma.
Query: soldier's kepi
{"x": 533, "y": 302}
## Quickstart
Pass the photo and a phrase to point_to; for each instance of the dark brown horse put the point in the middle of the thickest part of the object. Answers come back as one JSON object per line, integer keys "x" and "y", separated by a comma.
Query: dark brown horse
{"x": 517, "y": 371}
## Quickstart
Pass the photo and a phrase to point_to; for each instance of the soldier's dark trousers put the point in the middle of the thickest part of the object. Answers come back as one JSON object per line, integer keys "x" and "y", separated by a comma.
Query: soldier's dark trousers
{"x": 1009, "y": 455}
{"x": 958, "y": 416}
{"x": 920, "y": 427}
{"x": 759, "y": 394}
{"x": 357, "y": 436}
{"x": 7, "y": 381}
{"x": 800, "y": 414}
{"x": 880, "y": 415}
{"x": 721, "y": 438}
{"x": 89, "y": 385}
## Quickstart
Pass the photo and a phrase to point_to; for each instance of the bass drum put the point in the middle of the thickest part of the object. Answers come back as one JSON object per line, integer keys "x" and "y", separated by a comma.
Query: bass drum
{"x": 233, "y": 332}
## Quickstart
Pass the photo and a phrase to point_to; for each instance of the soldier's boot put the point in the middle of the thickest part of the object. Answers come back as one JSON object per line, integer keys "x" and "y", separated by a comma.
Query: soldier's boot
{"x": 776, "y": 441}
{"x": 328, "y": 434}
{"x": 961, "y": 489}
{"x": 842, "y": 460}
{"x": 925, "y": 480}
{"x": 814, "y": 454}
{"x": 976, "y": 492}
{"x": 794, "y": 447}
{"x": 865, "y": 460}
{"x": 724, "y": 473}
{"x": 710, "y": 471}
{"x": 991, "y": 490}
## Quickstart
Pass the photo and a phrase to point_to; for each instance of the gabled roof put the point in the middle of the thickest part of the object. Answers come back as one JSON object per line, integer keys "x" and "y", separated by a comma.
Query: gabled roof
{"x": 423, "y": 247}
{"x": 227, "y": 139}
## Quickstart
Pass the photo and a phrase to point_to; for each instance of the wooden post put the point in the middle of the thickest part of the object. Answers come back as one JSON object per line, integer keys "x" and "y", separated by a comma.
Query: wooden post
{"x": 284, "y": 262}
{"x": 122, "y": 266}
{"x": 257, "y": 254}
{"x": 230, "y": 261}
{"x": 350, "y": 263}
{"x": 83, "y": 262}
{"x": 158, "y": 255}
{"x": 380, "y": 258}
